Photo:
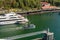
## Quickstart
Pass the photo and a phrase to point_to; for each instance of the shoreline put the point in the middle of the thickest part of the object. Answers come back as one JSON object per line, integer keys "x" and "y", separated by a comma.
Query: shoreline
{"x": 39, "y": 11}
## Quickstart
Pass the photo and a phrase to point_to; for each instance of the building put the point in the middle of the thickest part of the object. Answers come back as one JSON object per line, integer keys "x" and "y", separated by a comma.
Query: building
{"x": 47, "y": 6}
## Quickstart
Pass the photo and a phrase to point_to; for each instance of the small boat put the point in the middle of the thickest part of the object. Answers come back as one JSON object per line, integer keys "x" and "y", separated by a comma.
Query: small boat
{"x": 37, "y": 39}
{"x": 29, "y": 26}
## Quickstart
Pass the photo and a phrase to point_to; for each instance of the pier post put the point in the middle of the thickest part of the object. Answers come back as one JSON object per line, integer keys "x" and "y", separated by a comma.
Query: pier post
{"x": 48, "y": 36}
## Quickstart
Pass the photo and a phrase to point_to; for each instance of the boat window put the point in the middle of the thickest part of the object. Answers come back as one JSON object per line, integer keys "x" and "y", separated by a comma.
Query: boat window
{"x": 2, "y": 18}
{"x": 17, "y": 19}
{"x": 13, "y": 17}
{"x": 2, "y": 14}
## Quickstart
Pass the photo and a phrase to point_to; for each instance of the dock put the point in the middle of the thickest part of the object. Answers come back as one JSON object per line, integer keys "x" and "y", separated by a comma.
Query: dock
{"x": 25, "y": 35}
{"x": 48, "y": 35}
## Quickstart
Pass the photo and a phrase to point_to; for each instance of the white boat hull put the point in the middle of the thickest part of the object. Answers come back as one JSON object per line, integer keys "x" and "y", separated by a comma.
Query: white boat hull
{"x": 7, "y": 22}
{"x": 12, "y": 22}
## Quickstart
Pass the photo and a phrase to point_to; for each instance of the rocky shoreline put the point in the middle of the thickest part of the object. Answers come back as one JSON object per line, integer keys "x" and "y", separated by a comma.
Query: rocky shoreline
{"x": 31, "y": 11}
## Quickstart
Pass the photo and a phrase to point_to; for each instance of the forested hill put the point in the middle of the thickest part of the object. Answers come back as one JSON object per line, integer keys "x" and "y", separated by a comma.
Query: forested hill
{"x": 23, "y": 4}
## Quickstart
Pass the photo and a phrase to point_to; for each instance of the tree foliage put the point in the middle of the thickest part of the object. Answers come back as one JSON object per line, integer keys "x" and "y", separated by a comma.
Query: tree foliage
{"x": 23, "y": 4}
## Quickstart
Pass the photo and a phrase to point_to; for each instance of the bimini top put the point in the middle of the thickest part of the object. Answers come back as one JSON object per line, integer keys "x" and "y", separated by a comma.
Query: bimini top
{"x": 11, "y": 13}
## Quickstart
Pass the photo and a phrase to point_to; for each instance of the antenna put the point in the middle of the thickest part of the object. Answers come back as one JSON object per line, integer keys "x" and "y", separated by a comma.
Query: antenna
{"x": 47, "y": 33}
{"x": 48, "y": 30}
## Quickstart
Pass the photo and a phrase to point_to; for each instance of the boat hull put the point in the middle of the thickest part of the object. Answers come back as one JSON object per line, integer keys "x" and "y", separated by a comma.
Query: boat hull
{"x": 12, "y": 22}
{"x": 7, "y": 22}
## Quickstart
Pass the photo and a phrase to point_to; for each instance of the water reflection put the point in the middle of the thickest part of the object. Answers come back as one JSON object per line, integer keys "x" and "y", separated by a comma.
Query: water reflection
{"x": 42, "y": 21}
{"x": 59, "y": 13}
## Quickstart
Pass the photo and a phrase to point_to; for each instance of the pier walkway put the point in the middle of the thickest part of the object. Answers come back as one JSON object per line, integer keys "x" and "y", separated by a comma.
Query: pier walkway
{"x": 25, "y": 35}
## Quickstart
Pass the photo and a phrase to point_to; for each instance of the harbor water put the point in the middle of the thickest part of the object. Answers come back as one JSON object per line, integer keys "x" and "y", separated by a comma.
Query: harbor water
{"x": 42, "y": 22}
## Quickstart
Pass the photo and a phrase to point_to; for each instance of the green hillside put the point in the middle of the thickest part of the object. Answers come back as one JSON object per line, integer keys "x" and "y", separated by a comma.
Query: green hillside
{"x": 24, "y": 4}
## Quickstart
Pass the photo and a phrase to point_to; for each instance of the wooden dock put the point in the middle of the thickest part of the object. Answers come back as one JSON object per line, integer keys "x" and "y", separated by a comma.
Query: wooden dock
{"x": 25, "y": 35}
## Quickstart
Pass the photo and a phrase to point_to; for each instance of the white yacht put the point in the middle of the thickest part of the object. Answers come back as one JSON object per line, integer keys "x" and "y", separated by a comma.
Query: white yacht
{"x": 12, "y": 18}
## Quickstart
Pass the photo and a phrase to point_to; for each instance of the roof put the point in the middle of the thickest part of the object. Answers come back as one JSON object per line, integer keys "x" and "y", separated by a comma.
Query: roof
{"x": 45, "y": 3}
{"x": 48, "y": 7}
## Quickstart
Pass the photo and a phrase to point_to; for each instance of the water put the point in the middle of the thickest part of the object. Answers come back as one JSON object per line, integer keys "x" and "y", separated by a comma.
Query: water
{"x": 42, "y": 22}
